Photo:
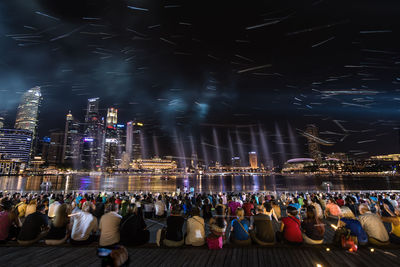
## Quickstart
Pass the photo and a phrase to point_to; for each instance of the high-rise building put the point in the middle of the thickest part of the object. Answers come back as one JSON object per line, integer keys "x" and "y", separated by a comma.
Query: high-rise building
{"x": 54, "y": 156}
{"x": 27, "y": 113}
{"x": 15, "y": 144}
{"x": 236, "y": 162}
{"x": 92, "y": 143}
{"x": 28, "y": 110}
{"x": 313, "y": 147}
{"x": 111, "y": 141}
{"x": 70, "y": 152}
{"x": 1, "y": 122}
{"x": 112, "y": 115}
{"x": 253, "y": 160}
{"x": 133, "y": 143}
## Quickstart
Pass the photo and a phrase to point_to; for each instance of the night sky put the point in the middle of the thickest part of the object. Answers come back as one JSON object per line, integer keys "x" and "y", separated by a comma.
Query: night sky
{"x": 185, "y": 68}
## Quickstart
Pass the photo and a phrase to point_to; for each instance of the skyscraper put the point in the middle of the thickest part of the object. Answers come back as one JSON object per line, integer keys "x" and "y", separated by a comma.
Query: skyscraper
{"x": 1, "y": 122}
{"x": 70, "y": 151}
{"x": 15, "y": 144}
{"x": 111, "y": 141}
{"x": 54, "y": 157}
{"x": 253, "y": 160}
{"x": 92, "y": 143}
{"x": 28, "y": 110}
{"x": 313, "y": 147}
{"x": 133, "y": 143}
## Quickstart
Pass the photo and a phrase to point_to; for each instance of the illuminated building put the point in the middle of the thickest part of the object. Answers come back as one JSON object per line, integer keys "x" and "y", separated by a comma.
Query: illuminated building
{"x": 1, "y": 122}
{"x": 154, "y": 164}
{"x": 54, "y": 157}
{"x": 389, "y": 157}
{"x": 92, "y": 142}
{"x": 15, "y": 144}
{"x": 111, "y": 140}
{"x": 300, "y": 165}
{"x": 9, "y": 167}
{"x": 236, "y": 162}
{"x": 70, "y": 151}
{"x": 112, "y": 115}
{"x": 253, "y": 160}
{"x": 28, "y": 110}
{"x": 313, "y": 146}
{"x": 27, "y": 113}
{"x": 340, "y": 156}
{"x": 133, "y": 146}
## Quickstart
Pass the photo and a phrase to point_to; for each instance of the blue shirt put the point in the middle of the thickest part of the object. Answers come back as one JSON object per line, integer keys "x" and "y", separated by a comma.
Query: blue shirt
{"x": 296, "y": 205}
{"x": 355, "y": 229}
{"x": 238, "y": 231}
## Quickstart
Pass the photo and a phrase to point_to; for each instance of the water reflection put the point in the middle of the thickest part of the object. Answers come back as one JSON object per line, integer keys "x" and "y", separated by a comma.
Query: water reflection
{"x": 200, "y": 183}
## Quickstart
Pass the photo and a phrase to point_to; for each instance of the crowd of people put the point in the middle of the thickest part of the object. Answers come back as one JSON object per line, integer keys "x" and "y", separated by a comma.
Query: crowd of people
{"x": 198, "y": 219}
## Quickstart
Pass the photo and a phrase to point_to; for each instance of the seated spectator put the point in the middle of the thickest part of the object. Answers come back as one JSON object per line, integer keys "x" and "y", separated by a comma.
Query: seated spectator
{"x": 160, "y": 208}
{"x": 277, "y": 209}
{"x": 269, "y": 211}
{"x": 290, "y": 227}
{"x": 5, "y": 220}
{"x": 332, "y": 209}
{"x": 318, "y": 209}
{"x": 84, "y": 225}
{"x": 232, "y": 206}
{"x": 195, "y": 229}
{"x": 58, "y": 233}
{"x": 394, "y": 219}
{"x": 218, "y": 223}
{"x": 109, "y": 226}
{"x": 148, "y": 208}
{"x": 263, "y": 231}
{"x": 133, "y": 228}
{"x": 348, "y": 220}
{"x": 31, "y": 207}
{"x": 172, "y": 236}
{"x": 248, "y": 208}
{"x": 21, "y": 207}
{"x": 373, "y": 226}
{"x": 99, "y": 208}
{"x": 240, "y": 228}
{"x": 313, "y": 228}
{"x": 53, "y": 207}
{"x": 207, "y": 214}
{"x": 35, "y": 227}
{"x": 295, "y": 203}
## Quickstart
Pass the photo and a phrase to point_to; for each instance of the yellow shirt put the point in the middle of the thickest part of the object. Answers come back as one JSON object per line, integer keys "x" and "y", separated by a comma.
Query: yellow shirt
{"x": 396, "y": 229}
{"x": 21, "y": 209}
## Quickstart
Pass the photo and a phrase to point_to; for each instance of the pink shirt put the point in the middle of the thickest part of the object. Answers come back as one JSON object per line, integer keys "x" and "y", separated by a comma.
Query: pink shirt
{"x": 4, "y": 225}
{"x": 333, "y": 209}
{"x": 233, "y": 206}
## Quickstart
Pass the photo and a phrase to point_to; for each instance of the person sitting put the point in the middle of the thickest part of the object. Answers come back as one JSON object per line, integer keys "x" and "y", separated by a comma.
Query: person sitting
{"x": 5, "y": 220}
{"x": 109, "y": 226}
{"x": 218, "y": 223}
{"x": 318, "y": 209}
{"x": 148, "y": 208}
{"x": 373, "y": 226}
{"x": 35, "y": 227}
{"x": 195, "y": 231}
{"x": 133, "y": 230}
{"x": 290, "y": 227}
{"x": 332, "y": 209}
{"x": 31, "y": 207}
{"x": 276, "y": 208}
{"x": 58, "y": 232}
{"x": 21, "y": 207}
{"x": 240, "y": 228}
{"x": 172, "y": 236}
{"x": 263, "y": 231}
{"x": 394, "y": 219}
{"x": 206, "y": 208}
{"x": 53, "y": 207}
{"x": 84, "y": 225}
{"x": 348, "y": 220}
{"x": 248, "y": 208}
{"x": 160, "y": 208}
{"x": 232, "y": 207}
{"x": 313, "y": 228}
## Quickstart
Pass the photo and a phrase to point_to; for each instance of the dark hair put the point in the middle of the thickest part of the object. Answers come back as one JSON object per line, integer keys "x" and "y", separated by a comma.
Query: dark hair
{"x": 292, "y": 210}
{"x": 195, "y": 211}
{"x": 268, "y": 206}
{"x": 40, "y": 207}
{"x": 220, "y": 216}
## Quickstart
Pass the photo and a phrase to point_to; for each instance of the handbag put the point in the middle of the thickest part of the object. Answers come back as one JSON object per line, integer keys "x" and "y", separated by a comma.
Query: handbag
{"x": 215, "y": 242}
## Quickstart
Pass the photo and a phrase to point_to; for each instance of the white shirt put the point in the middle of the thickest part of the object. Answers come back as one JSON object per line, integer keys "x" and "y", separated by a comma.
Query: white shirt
{"x": 195, "y": 231}
{"x": 52, "y": 209}
{"x": 83, "y": 224}
{"x": 109, "y": 228}
{"x": 160, "y": 207}
{"x": 373, "y": 226}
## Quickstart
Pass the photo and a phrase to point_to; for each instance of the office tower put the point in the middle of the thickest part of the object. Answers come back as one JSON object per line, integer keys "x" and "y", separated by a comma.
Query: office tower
{"x": 129, "y": 139}
{"x": 236, "y": 162}
{"x": 70, "y": 151}
{"x": 44, "y": 147}
{"x": 136, "y": 140}
{"x": 92, "y": 143}
{"x": 111, "y": 140}
{"x": 1, "y": 122}
{"x": 27, "y": 113}
{"x": 121, "y": 138}
{"x": 253, "y": 160}
{"x": 15, "y": 144}
{"x": 313, "y": 146}
{"x": 54, "y": 157}
{"x": 112, "y": 115}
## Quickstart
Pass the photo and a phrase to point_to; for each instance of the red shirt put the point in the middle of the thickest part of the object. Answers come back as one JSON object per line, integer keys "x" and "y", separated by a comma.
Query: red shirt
{"x": 340, "y": 202}
{"x": 247, "y": 208}
{"x": 291, "y": 231}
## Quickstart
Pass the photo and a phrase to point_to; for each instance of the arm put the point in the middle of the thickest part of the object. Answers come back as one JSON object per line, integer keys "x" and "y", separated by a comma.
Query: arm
{"x": 282, "y": 227}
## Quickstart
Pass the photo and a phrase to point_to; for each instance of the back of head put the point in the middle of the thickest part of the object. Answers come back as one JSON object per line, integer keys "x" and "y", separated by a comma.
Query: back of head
{"x": 291, "y": 211}
{"x": 195, "y": 211}
{"x": 86, "y": 206}
{"x": 40, "y": 208}
{"x": 61, "y": 215}
{"x": 176, "y": 209}
{"x": 363, "y": 208}
{"x": 240, "y": 213}
{"x": 268, "y": 206}
{"x": 260, "y": 208}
